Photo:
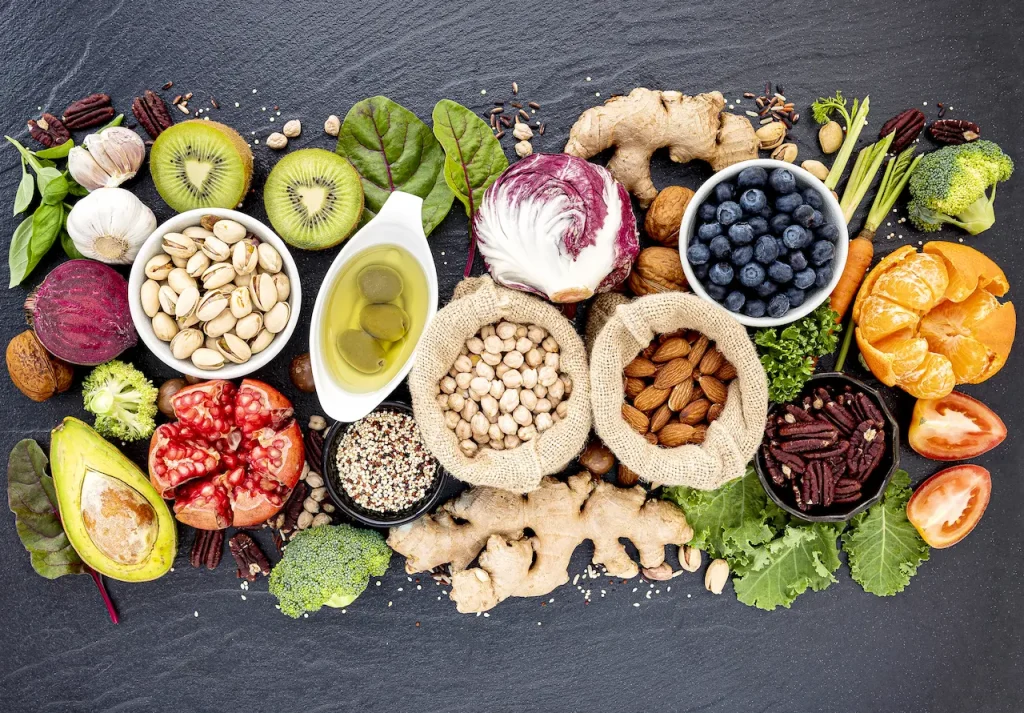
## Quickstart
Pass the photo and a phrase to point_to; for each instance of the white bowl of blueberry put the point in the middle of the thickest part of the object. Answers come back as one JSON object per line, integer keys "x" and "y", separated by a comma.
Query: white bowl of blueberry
{"x": 764, "y": 239}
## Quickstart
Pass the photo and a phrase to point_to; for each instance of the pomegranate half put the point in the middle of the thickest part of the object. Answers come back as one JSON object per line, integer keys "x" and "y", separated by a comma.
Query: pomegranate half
{"x": 232, "y": 457}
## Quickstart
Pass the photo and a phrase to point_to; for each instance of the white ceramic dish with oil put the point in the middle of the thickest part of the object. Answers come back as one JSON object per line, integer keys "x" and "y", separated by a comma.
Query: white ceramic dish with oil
{"x": 399, "y": 224}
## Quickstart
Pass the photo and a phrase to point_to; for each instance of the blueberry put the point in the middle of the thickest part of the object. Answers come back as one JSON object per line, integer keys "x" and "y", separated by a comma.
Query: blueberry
{"x": 767, "y": 212}
{"x": 751, "y": 274}
{"x": 721, "y": 273}
{"x": 698, "y": 254}
{"x": 804, "y": 278}
{"x": 796, "y": 237}
{"x": 782, "y": 180}
{"x": 734, "y": 301}
{"x": 753, "y": 177}
{"x": 766, "y": 289}
{"x": 742, "y": 255}
{"x": 707, "y": 211}
{"x": 779, "y": 222}
{"x": 753, "y": 200}
{"x": 817, "y": 219}
{"x": 781, "y": 245}
{"x": 788, "y": 202}
{"x": 822, "y": 252}
{"x": 813, "y": 198}
{"x": 729, "y": 213}
{"x": 766, "y": 250}
{"x": 720, "y": 247}
{"x": 715, "y": 292}
{"x": 827, "y": 232}
{"x": 709, "y": 230}
{"x": 741, "y": 233}
{"x": 778, "y": 305}
{"x": 797, "y": 260}
{"x": 724, "y": 192}
{"x": 701, "y": 271}
{"x": 824, "y": 276}
{"x": 754, "y": 308}
{"x": 796, "y": 296}
{"x": 758, "y": 224}
{"x": 780, "y": 272}
{"x": 803, "y": 214}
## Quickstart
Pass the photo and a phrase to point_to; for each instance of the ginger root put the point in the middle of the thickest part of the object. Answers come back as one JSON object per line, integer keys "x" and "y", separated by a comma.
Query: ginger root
{"x": 647, "y": 120}
{"x": 560, "y": 517}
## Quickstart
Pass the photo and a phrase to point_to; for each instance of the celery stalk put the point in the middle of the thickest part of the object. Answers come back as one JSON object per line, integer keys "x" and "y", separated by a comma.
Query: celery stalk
{"x": 860, "y": 117}
{"x": 895, "y": 178}
{"x": 863, "y": 174}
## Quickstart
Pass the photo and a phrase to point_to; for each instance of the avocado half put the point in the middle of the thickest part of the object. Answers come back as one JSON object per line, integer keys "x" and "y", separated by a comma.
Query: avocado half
{"x": 116, "y": 521}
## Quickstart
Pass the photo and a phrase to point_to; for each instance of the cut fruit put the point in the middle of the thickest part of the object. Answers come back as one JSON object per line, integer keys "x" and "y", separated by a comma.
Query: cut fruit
{"x": 201, "y": 164}
{"x": 955, "y": 427}
{"x": 314, "y": 199}
{"x": 947, "y": 506}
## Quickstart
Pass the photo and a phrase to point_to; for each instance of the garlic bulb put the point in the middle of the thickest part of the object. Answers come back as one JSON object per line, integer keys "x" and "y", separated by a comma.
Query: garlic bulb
{"x": 110, "y": 225}
{"x": 107, "y": 159}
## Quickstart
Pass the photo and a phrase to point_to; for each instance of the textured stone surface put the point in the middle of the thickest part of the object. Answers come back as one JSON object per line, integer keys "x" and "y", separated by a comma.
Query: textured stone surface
{"x": 951, "y": 642}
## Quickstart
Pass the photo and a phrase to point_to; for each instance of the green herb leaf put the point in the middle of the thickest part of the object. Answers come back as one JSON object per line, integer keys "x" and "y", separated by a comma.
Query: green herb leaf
{"x": 394, "y": 151}
{"x": 69, "y": 246}
{"x": 473, "y": 157}
{"x": 33, "y": 239}
{"x": 882, "y": 547}
{"x": 116, "y": 121}
{"x": 805, "y": 556}
{"x": 58, "y": 151}
{"x": 26, "y": 189}
{"x": 18, "y": 254}
{"x": 33, "y": 500}
{"x": 53, "y": 187}
{"x": 788, "y": 357}
{"x": 74, "y": 187}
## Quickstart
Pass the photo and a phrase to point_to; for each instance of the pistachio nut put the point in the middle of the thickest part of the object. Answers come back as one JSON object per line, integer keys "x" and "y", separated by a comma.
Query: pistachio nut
{"x": 167, "y": 298}
{"x": 179, "y": 279}
{"x": 244, "y": 257}
{"x": 186, "y": 303}
{"x": 216, "y": 249}
{"x": 229, "y": 231}
{"x": 189, "y": 320}
{"x": 159, "y": 267}
{"x": 218, "y": 275}
{"x": 830, "y": 136}
{"x": 164, "y": 327}
{"x": 270, "y": 259}
{"x": 211, "y": 305}
{"x": 240, "y": 302}
{"x": 178, "y": 245}
{"x": 197, "y": 233}
{"x": 197, "y": 264}
{"x": 208, "y": 359}
{"x": 233, "y": 348}
{"x": 243, "y": 280}
{"x": 150, "y": 297}
{"x": 261, "y": 341}
{"x": 284, "y": 286}
{"x": 771, "y": 135}
{"x": 249, "y": 326}
{"x": 179, "y": 261}
{"x": 816, "y": 169}
{"x": 277, "y": 318}
{"x": 263, "y": 292}
{"x": 185, "y": 343}
{"x": 785, "y": 152}
{"x": 210, "y": 343}
{"x": 220, "y": 325}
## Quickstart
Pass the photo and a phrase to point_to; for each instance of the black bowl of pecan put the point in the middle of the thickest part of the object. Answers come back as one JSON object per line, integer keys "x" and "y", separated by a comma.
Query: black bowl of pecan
{"x": 830, "y": 453}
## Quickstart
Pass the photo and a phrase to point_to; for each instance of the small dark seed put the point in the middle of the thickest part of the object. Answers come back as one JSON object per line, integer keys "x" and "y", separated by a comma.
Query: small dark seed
{"x": 214, "y": 103}
{"x": 498, "y": 110}
{"x": 540, "y": 130}
{"x": 176, "y": 99}
{"x": 168, "y": 85}
{"x": 534, "y": 105}
{"x": 522, "y": 113}
{"x": 506, "y": 122}
{"x": 517, "y": 105}
{"x": 499, "y": 134}
{"x": 748, "y": 95}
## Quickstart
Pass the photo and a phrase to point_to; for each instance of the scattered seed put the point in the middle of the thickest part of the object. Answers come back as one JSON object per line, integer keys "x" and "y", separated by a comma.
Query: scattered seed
{"x": 498, "y": 110}
{"x": 767, "y": 121}
{"x": 515, "y": 88}
{"x": 183, "y": 108}
{"x": 751, "y": 113}
{"x": 517, "y": 105}
{"x": 214, "y": 103}
{"x": 534, "y": 105}
{"x": 540, "y": 129}
{"x": 176, "y": 99}
{"x": 501, "y": 103}
{"x": 524, "y": 115}
{"x": 188, "y": 96}
{"x": 506, "y": 122}
{"x": 499, "y": 134}
{"x": 168, "y": 85}
{"x": 748, "y": 95}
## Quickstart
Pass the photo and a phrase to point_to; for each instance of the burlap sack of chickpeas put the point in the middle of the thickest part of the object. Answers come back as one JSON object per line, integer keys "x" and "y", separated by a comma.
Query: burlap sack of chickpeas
{"x": 621, "y": 329}
{"x": 478, "y": 302}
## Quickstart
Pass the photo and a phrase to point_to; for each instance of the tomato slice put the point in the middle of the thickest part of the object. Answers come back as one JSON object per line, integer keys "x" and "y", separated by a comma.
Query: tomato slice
{"x": 955, "y": 427}
{"x": 947, "y": 506}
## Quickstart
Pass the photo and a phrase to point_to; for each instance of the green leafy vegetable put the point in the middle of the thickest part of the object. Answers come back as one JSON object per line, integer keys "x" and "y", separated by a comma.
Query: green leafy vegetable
{"x": 788, "y": 356}
{"x": 123, "y": 399}
{"x": 824, "y": 109}
{"x": 18, "y": 255}
{"x": 394, "y": 151}
{"x": 69, "y": 246}
{"x": 56, "y": 152}
{"x": 26, "y": 189}
{"x": 53, "y": 187}
{"x": 897, "y": 173}
{"x": 882, "y": 547}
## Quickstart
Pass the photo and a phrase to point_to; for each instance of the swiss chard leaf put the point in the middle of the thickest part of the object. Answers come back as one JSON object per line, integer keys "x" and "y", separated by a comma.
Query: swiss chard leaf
{"x": 33, "y": 500}
{"x": 26, "y": 189}
{"x": 394, "y": 151}
{"x": 882, "y": 547}
{"x": 473, "y": 157}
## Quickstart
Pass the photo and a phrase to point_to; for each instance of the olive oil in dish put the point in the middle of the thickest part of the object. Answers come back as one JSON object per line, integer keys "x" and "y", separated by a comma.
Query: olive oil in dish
{"x": 380, "y": 293}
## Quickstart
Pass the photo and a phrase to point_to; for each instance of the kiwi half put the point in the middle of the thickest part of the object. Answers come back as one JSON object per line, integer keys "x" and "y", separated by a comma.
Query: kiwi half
{"x": 201, "y": 164}
{"x": 314, "y": 199}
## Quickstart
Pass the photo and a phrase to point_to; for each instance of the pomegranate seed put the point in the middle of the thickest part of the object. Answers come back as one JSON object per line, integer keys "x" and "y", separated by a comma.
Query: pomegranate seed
{"x": 279, "y": 443}
{"x": 277, "y": 462}
{"x": 207, "y": 489}
{"x": 198, "y": 456}
{"x": 160, "y": 468}
{"x": 275, "y": 453}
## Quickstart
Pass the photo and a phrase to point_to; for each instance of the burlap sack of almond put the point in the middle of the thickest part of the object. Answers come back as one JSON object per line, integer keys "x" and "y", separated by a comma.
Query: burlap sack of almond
{"x": 500, "y": 388}
{"x": 678, "y": 392}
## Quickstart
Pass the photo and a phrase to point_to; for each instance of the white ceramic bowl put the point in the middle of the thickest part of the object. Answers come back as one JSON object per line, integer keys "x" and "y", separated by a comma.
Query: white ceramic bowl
{"x": 833, "y": 213}
{"x": 144, "y": 325}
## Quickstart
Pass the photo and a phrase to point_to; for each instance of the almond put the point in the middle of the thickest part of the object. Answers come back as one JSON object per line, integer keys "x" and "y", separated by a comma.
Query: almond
{"x": 651, "y": 398}
{"x": 700, "y": 432}
{"x": 711, "y": 361}
{"x": 714, "y": 412}
{"x": 725, "y": 373}
{"x": 672, "y": 373}
{"x": 637, "y": 420}
{"x": 700, "y": 346}
{"x": 651, "y": 438}
{"x": 694, "y": 412}
{"x": 675, "y": 434}
{"x": 660, "y": 417}
{"x": 626, "y": 477}
{"x": 680, "y": 395}
{"x": 713, "y": 389}
{"x": 671, "y": 349}
{"x": 640, "y": 368}
{"x": 633, "y": 387}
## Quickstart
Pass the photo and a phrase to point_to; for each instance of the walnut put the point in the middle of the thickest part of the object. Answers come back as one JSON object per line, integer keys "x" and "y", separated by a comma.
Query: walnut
{"x": 666, "y": 214}
{"x": 657, "y": 270}
{"x": 38, "y": 374}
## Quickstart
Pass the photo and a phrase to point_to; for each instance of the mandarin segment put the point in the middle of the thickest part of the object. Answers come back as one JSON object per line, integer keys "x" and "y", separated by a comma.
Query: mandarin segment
{"x": 917, "y": 283}
{"x": 881, "y": 317}
{"x": 968, "y": 270}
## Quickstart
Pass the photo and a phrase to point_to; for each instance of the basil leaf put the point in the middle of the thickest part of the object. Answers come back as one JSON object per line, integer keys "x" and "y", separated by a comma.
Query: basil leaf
{"x": 74, "y": 187}
{"x": 58, "y": 151}
{"x": 473, "y": 157}
{"x": 116, "y": 121}
{"x": 52, "y": 185}
{"x": 69, "y": 246}
{"x": 18, "y": 255}
{"x": 394, "y": 151}
{"x": 26, "y": 189}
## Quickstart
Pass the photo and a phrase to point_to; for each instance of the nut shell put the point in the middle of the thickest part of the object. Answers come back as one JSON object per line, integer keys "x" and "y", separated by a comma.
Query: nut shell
{"x": 665, "y": 215}
{"x": 35, "y": 372}
{"x": 657, "y": 270}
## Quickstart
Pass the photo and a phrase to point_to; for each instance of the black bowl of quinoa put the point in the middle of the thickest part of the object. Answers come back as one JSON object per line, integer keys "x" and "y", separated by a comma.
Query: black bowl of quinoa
{"x": 378, "y": 471}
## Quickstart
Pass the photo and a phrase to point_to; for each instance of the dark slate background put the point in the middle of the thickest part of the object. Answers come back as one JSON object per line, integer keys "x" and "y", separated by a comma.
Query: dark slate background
{"x": 951, "y": 642}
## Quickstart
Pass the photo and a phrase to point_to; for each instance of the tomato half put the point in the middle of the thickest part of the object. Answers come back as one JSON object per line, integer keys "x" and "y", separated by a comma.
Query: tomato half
{"x": 955, "y": 427}
{"x": 947, "y": 506}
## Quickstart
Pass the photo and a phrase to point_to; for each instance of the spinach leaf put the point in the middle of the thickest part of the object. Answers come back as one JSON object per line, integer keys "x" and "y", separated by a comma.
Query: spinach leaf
{"x": 53, "y": 187}
{"x": 394, "y": 151}
{"x": 18, "y": 254}
{"x": 473, "y": 157}
{"x": 58, "y": 151}
{"x": 26, "y": 189}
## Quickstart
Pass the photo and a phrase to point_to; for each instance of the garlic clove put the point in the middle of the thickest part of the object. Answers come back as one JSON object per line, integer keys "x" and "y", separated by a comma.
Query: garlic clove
{"x": 107, "y": 159}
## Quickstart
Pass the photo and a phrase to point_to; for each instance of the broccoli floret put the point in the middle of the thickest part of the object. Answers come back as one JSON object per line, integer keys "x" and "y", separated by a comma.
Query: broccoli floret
{"x": 952, "y": 185}
{"x": 123, "y": 399}
{"x": 328, "y": 565}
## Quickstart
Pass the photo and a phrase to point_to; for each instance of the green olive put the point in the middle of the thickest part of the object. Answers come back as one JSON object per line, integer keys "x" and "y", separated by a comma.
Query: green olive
{"x": 361, "y": 351}
{"x": 386, "y": 322}
{"x": 380, "y": 283}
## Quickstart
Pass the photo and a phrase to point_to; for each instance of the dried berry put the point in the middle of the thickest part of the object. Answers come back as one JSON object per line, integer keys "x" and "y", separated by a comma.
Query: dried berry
{"x": 152, "y": 112}
{"x": 48, "y": 130}
{"x": 954, "y": 131}
{"x": 88, "y": 112}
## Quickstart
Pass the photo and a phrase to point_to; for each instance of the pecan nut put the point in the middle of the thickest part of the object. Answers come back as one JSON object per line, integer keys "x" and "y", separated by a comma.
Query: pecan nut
{"x": 48, "y": 130}
{"x": 248, "y": 556}
{"x": 207, "y": 549}
{"x": 906, "y": 126}
{"x": 293, "y": 507}
{"x": 152, "y": 112}
{"x": 88, "y": 112}
{"x": 954, "y": 131}
{"x": 314, "y": 449}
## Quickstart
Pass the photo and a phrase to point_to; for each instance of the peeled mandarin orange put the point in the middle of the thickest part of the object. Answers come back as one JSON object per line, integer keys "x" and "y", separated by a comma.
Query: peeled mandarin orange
{"x": 968, "y": 270}
{"x": 881, "y": 317}
{"x": 932, "y": 380}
